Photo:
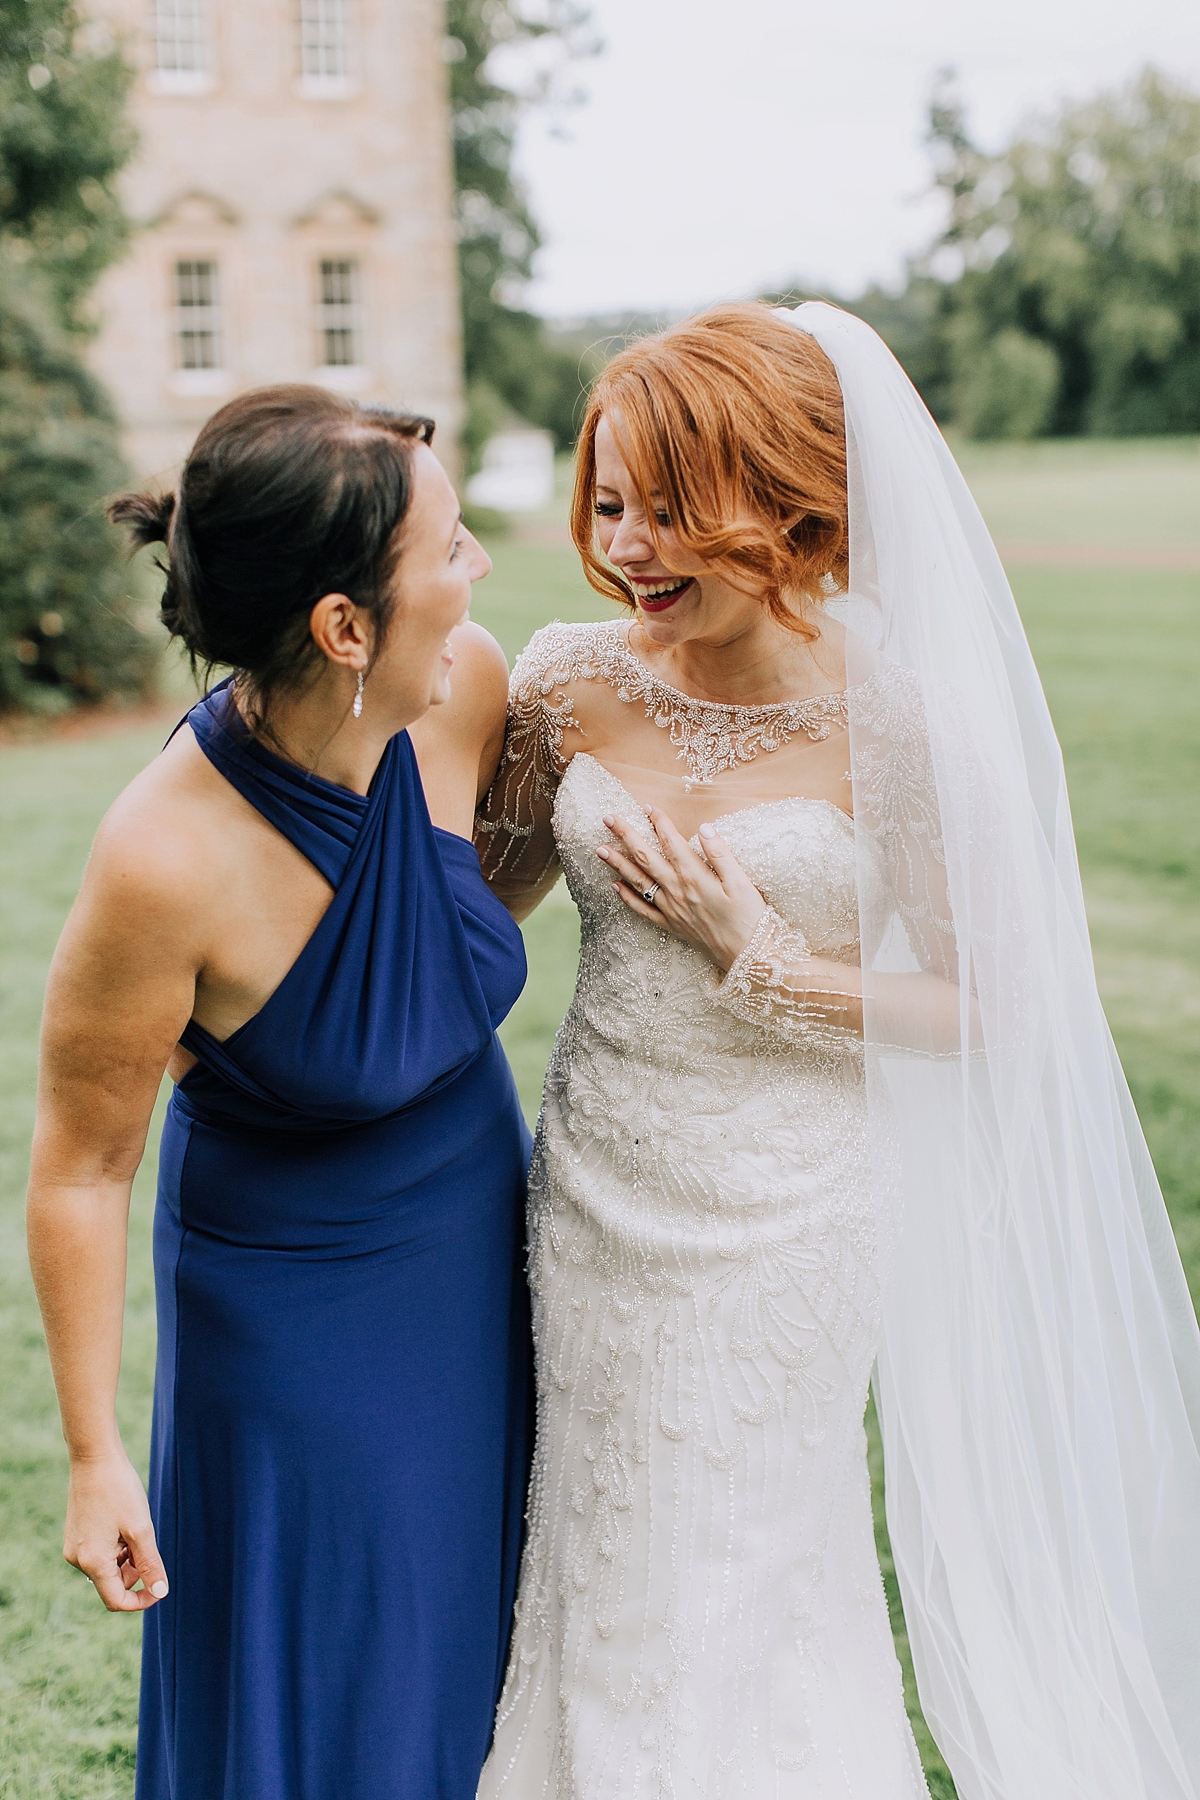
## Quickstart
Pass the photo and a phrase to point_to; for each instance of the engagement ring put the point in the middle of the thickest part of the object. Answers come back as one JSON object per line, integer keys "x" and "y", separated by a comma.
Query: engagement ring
{"x": 649, "y": 893}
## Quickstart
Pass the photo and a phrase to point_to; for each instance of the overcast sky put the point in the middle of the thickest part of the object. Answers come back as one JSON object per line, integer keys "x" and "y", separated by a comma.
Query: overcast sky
{"x": 728, "y": 145}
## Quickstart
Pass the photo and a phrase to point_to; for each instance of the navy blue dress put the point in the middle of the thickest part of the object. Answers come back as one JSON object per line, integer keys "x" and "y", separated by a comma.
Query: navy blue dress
{"x": 342, "y": 1413}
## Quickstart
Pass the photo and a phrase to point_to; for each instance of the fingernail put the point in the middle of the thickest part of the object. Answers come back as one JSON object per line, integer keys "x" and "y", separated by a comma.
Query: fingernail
{"x": 601, "y": 851}
{"x": 609, "y": 820}
{"x": 159, "y": 1589}
{"x": 708, "y": 831}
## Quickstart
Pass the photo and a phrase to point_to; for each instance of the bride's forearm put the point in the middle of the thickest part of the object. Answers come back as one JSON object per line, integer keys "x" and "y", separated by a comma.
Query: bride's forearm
{"x": 776, "y": 982}
{"x": 834, "y": 991}
{"x": 922, "y": 1012}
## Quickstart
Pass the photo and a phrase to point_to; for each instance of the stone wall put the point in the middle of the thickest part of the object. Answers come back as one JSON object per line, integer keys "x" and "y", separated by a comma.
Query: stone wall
{"x": 292, "y": 225}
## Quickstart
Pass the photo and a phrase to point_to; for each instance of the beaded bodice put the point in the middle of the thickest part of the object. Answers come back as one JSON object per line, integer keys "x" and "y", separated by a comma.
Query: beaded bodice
{"x": 579, "y": 685}
{"x": 799, "y": 853}
{"x": 732, "y": 755}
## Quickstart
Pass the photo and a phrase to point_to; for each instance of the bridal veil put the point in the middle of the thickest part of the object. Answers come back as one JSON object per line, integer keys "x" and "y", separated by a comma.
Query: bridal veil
{"x": 1038, "y": 1381}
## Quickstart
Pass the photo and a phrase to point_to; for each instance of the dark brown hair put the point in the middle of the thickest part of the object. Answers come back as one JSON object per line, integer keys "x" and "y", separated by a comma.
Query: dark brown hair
{"x": 732, "y": 423}
{"x": 289, "y": 493}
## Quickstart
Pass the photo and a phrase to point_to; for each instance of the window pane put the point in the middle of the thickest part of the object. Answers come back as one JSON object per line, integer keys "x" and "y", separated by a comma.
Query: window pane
{"x": 339, "y": 349}
{"x": 324, "y": 38}
{"x": 338, "y": 283}
{"x": 197, "y": 316}
{"x": 179, "y": 36}
{"x": 339, "y": 322}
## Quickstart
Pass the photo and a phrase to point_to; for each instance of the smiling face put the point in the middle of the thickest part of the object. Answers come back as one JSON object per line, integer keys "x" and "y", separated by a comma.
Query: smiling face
{"x": 439, "y": 559}
{"x": 678, "y": 597}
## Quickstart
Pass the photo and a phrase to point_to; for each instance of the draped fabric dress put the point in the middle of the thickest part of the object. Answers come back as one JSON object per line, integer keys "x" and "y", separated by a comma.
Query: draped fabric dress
{"x": 342, "y": 1403}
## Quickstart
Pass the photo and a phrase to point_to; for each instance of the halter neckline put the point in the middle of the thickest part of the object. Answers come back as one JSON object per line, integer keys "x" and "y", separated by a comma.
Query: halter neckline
{"x": 406, "y": 973}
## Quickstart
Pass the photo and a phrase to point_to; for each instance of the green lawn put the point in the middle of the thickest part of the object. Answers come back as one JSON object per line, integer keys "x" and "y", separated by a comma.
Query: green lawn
{"x": 1119, "y": 651}
{"x": 1119, "y": 494}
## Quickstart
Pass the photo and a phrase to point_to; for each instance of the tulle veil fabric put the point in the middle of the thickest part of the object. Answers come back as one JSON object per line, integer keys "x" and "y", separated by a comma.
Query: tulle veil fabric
{"x": 1038, "y": 1381}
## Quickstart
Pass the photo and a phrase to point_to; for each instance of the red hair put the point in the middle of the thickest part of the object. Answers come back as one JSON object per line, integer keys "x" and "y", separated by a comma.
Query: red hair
{"x": 732, "y": 423}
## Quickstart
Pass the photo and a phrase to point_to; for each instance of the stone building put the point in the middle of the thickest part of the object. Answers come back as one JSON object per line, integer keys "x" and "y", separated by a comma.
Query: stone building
{"x": 292, "y": 196}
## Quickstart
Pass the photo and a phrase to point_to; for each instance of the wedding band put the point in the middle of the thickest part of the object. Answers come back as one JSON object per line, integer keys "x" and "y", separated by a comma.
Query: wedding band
{"x": 649, "y": 893}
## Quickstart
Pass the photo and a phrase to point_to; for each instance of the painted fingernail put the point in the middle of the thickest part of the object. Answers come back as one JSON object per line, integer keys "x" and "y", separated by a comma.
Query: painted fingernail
{"x": 708, "y": 831}
{"x": 609, "y": 820}
{"x": 159, "y": 1589}
{"x": 601, "y": 851}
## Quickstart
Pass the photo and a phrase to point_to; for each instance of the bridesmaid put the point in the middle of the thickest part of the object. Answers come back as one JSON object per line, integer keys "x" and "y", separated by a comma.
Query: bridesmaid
{"x": 284, "y": 915}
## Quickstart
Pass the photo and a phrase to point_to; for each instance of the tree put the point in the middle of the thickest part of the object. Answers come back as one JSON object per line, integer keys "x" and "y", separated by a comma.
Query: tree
{"x": 1074, "y": 303}
{"x": 65, "y": 626}
{"x": 911, "y": 324}
{"x": 509, "y": 363}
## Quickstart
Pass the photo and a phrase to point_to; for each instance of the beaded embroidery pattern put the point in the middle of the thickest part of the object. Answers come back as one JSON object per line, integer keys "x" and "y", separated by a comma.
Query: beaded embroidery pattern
{"x": 710, "y": 736}
{"x": 700, "y": 1608}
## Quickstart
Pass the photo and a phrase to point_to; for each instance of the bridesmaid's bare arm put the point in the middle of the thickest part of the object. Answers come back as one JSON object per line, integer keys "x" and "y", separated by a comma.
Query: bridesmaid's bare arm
{"x": 120, "y": 992}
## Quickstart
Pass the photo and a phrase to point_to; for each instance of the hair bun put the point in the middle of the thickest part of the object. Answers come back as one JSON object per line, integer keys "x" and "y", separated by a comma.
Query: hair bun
{"x": 148, "y": 516}
{"x": 288, "y": 493}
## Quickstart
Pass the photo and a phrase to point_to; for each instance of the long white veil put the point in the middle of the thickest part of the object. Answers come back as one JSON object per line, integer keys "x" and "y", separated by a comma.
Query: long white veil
{"x": 1038, "y": 1380}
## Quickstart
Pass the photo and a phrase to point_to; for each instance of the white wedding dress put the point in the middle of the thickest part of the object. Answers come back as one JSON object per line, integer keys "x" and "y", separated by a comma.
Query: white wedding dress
{"x": 735, "y": 1207}
{"x": 701, "y": 1611}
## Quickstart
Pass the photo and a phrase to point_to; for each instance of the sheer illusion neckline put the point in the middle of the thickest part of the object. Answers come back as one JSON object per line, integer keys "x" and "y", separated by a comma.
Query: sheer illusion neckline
{"x": 712, "y": 736}
{"x": 757, "y": 707}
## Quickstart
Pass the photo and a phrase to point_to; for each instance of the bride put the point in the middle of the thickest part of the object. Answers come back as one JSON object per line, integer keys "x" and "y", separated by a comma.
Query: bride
{"x": 835, "y": 1094}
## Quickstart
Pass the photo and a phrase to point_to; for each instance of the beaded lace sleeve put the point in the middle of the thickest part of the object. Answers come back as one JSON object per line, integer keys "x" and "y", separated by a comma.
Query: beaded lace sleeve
{"x": 514, "y": 832}
{"x": 776, "y": 984}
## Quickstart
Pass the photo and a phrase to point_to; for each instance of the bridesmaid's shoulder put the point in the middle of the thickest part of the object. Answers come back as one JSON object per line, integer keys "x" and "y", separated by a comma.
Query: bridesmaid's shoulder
{"x": 458, "y": 743}
{"x": 167, "y": 836}
{"x": 478, "y": 694}
{"x": 480, "y": 680}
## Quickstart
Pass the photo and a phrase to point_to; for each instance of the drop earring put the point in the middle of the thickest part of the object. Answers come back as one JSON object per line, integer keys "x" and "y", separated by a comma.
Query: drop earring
{"x": 358, "y": 697}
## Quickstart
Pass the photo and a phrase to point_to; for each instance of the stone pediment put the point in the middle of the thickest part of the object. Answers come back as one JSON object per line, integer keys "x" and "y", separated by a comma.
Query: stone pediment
{"x": 337, "y": 210}
{"x": 198, "y": 210}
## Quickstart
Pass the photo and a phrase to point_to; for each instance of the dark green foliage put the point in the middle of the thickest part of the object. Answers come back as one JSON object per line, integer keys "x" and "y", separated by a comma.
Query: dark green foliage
{"x": 65, "y": 627}
{"x": 63, "y": 140}
{"x": 1077, "y": 309}
{"x": 1063, "y": 297}
{"x": 509, "y": 363}
{"x": 911, "y": 323}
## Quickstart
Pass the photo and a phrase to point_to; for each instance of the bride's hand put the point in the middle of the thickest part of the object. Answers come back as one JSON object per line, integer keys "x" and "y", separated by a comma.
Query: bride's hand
{"x": 708, "y": 900}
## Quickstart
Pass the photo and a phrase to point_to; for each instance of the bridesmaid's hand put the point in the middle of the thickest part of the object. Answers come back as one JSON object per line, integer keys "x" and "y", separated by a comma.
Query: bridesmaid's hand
{"x": 110, "y": 1536}
{"x": 708, "y": 901}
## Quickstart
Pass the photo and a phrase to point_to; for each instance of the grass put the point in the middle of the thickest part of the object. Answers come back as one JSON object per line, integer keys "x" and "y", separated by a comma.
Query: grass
{"x": 1119, "y": 494}
{"x": 1119, "y": 651}
{"x": 68, "y": 1673}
